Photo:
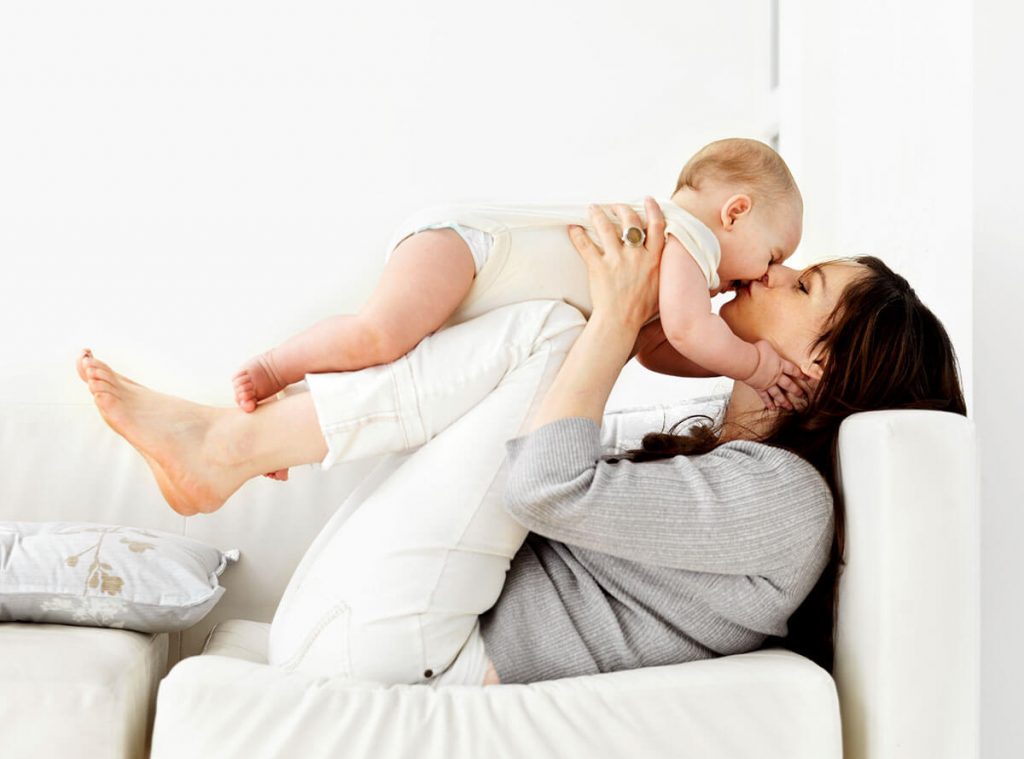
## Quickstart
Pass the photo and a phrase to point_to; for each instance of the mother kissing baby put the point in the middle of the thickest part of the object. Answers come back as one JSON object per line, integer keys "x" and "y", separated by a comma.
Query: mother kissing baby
{"x": 508, "y": 547}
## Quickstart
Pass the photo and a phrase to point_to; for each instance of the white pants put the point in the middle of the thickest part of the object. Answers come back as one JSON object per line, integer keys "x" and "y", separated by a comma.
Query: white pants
{"x": 392, "y": 593}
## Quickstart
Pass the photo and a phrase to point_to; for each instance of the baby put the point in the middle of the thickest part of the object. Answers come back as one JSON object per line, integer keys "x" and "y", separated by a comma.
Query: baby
{"x": 736, "y": 211}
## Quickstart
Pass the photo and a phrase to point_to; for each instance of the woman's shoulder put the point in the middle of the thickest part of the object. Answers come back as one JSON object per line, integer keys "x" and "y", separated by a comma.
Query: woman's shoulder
{"x": 756, "y": 456}
{"x": 768, "y": 466}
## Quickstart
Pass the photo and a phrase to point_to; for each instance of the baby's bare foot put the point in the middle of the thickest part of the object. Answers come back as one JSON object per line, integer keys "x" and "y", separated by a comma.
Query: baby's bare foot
{"x": 257, "y": 379}
{"x": 169, "y": 432}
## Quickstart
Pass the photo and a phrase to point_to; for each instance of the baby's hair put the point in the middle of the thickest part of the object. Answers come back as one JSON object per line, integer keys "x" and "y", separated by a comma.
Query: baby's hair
{"x": 750, "y": 165}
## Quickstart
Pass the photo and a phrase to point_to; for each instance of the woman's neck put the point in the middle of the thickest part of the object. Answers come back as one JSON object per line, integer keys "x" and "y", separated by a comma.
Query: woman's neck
{"x": 745, "y": 414}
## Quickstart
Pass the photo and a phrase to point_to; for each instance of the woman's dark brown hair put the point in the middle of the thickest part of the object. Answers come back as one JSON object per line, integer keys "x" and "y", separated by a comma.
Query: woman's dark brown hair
{"x": 885, "y": 350}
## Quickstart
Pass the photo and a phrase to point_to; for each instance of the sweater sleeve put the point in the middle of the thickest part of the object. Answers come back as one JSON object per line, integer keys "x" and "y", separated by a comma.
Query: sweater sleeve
{"x": 745, "y": 508}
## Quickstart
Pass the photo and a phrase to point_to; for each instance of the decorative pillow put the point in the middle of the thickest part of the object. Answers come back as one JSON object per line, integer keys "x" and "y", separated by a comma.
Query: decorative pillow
{"x": 81, "y": 573}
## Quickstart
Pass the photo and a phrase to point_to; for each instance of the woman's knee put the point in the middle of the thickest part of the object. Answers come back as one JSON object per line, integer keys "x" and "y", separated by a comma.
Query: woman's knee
{"x": 561, "y": 320}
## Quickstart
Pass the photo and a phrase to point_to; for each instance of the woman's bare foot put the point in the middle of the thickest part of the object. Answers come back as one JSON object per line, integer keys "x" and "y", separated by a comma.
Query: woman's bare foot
{"x": 170, "y": 433}
{"x": 258, "y": 378}
{"x": 161, "y": 478}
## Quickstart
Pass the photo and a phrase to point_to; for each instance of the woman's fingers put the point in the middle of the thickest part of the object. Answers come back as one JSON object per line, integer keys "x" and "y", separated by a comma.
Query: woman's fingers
{"x": 628, "y": 217}
{"x": 584, "y": 245}
{"x": 655, "y": 241}
{"x": 605, "y": 229}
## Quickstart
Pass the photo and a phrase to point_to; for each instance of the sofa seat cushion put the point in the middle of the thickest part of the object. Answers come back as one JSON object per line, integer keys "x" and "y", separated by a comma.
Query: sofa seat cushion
{"x": 77, "y": 691}
{"x": 226, "y": 702}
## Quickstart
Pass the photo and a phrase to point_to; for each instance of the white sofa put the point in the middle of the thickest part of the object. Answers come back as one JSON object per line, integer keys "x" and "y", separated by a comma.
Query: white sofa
{"x": 905, "y": 686}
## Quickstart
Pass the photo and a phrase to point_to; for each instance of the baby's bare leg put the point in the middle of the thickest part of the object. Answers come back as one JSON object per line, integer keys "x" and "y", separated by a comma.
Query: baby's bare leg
{"x": 422, "y": 284}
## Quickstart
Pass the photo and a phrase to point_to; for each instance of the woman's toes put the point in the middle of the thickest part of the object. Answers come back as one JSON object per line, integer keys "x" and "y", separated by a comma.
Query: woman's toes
{"x": 94, "y": 363}
{"x": 104, "y": 401}
{"x": 80, "y": 363}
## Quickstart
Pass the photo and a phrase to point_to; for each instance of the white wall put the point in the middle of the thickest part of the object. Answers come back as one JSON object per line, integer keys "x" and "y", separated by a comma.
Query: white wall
{"x": 999, "y": 365}
{"x": 875, "y": 121}
{"x": 903, "y": 125}
{"x": 186, "y": 184}
{"x": 183, "y": 185}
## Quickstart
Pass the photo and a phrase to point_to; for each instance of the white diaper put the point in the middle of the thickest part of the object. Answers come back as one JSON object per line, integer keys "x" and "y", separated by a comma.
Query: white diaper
{"x": 479, "y": 242}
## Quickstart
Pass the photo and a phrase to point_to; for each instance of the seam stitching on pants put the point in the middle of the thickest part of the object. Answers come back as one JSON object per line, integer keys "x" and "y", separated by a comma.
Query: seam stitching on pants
{"x": 416, "y": 401}
{"x": 360, "y": 422}
{"x": 313, "y": 634}
{"x": 396, "y": 393}
{"x": 546, "y": 350}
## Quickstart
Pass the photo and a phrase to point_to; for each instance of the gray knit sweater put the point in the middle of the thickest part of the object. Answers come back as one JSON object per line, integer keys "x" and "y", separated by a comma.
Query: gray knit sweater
{"x": 640, "y": 564}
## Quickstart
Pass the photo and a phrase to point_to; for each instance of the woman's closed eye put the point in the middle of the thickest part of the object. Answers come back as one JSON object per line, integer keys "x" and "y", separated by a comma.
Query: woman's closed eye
{"x": 800, "y": 284}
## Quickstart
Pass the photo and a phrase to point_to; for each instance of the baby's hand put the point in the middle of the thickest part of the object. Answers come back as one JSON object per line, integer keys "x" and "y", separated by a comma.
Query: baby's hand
{"x": 775, "y": 378}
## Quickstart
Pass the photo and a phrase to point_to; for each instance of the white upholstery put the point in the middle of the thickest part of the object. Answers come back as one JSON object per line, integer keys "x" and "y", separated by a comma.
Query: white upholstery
{"x": 62, "y": 462}
{"x": 908, "y": 640}
{"x": 907, "y": 658}
{"x": 768, "y": 704}
{"x": 77, "y": 691}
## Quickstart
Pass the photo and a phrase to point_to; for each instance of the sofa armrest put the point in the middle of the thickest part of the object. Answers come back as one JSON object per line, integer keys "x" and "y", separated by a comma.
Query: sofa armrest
{"x": 907, "y": 647}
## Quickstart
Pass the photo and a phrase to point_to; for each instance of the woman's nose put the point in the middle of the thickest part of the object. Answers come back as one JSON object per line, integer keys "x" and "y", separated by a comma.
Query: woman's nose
{"x": 778, "y": 274}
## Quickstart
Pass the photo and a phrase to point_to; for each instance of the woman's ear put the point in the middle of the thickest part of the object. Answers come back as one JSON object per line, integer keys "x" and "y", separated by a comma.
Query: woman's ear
{"x": 812, "y": 368}
{"x": 734, "y": 208}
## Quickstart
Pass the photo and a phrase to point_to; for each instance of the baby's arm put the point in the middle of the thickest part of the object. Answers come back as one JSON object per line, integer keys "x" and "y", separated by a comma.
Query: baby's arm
{"x": 656, "y": 353}
{"x": 703, "y": 337}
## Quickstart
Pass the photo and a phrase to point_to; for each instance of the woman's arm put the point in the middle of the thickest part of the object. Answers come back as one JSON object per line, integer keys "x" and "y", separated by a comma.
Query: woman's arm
{"x": 624, "y": 293}
{"x": 744, "y": 508}
{"x": 588, "y": 373}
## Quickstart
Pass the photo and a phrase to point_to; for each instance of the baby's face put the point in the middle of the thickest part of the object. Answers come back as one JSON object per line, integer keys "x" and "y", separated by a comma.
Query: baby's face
{"x": 757, "y": 241}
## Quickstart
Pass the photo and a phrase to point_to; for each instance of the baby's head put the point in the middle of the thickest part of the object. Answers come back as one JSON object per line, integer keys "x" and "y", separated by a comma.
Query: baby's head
{"x": 744, "y": 192}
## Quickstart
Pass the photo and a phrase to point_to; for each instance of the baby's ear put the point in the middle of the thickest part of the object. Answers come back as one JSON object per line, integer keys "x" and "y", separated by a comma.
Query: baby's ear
{"x": 734, "y": 208}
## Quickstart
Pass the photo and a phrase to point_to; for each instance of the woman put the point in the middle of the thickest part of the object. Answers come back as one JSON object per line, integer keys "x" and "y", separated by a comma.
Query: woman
{"x": 698, "y": 545}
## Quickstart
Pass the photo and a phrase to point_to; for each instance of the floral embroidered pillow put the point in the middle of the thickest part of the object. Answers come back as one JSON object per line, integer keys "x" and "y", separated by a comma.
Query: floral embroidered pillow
{"x": 81, "y": 573}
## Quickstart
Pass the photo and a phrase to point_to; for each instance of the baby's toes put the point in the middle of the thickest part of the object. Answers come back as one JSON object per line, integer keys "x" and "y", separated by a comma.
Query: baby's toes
{"x": 245, "y": 397}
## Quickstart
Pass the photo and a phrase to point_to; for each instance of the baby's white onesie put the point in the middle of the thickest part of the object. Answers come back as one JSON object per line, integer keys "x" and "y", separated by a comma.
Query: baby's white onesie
{"x": 523, "y": 251}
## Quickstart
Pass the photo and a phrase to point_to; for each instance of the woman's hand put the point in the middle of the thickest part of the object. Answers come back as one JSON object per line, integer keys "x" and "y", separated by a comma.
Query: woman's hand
{"x": 624, "y": 294}
{"x": 623, "y": 280}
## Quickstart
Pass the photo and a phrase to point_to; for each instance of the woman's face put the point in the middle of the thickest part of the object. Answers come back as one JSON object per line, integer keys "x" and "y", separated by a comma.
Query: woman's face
{"x": 788, "y": 308}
